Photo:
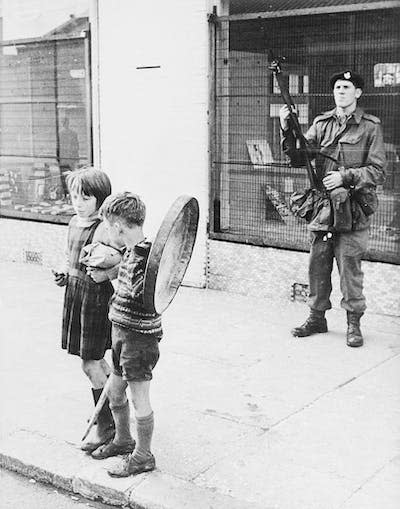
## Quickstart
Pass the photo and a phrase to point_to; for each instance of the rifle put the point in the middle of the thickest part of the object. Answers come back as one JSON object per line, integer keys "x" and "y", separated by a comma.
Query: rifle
{"x": 275, "y": 67}
{"x": 313, "y": 204}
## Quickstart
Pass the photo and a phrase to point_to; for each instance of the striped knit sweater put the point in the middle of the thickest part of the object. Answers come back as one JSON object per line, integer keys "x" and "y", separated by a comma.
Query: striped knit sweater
{"x": 126, "y": 307}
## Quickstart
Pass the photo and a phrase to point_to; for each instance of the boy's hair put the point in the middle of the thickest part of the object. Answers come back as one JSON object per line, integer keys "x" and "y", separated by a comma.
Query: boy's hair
{"x": 90, "y": 182}
{"x": 126, "y": 206}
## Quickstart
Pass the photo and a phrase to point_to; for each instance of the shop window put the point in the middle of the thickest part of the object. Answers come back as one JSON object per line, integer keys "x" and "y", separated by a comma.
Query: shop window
{"x": 45, "y": 127}
{"x": 251, "y": 180}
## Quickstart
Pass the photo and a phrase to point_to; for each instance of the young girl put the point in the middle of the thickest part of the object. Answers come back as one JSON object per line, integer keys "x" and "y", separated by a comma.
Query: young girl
{"x": 86, "y": 330}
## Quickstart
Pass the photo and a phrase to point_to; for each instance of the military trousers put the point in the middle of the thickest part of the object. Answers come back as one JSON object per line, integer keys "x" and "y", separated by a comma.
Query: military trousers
{"x": 347, "y": 249}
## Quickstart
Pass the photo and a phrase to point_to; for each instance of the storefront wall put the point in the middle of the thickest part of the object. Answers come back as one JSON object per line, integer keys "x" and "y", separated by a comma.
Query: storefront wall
{"x": 44, "y": 109}
{"x": 151, "y": 136}
{"x": 149, "y": 106}
{"x": 248, "y": 169}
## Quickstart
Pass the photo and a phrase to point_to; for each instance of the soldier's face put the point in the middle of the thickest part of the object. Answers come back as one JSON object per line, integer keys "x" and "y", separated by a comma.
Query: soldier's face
{"x": 345, "y": 93}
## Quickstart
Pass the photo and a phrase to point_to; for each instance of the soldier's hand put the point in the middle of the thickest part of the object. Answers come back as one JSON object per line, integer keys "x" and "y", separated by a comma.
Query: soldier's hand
{"x": 284, "y": 115}
{"x": 333, "y": 180}
{"x": 98, "y": 275}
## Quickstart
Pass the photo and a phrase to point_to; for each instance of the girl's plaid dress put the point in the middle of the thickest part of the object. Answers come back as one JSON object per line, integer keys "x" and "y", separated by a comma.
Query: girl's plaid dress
{"x": 86, "y": 330}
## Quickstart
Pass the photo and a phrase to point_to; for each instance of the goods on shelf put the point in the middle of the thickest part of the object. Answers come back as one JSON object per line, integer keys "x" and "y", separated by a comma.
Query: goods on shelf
{"x": 5, "y": 190}
{"x": 37, "y": 192}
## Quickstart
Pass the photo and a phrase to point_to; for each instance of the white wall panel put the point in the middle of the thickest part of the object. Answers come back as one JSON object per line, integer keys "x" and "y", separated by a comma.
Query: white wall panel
{"x": 153, "y": 122}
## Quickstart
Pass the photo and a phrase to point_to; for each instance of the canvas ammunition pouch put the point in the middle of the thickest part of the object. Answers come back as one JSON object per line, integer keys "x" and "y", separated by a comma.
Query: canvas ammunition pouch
{"x": 323, "y": 211}
{"x": 339, "y": 210}
{"x": 314, "y": 206}
{"x": 367, "y": 200}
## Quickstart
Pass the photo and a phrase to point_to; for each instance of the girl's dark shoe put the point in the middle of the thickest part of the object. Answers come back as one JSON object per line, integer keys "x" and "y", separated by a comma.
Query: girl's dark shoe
{"x": 110, "y": 449}
{"x": 128, "y": 466}
{"x": 98, "y": 438}
{"x": 104, "y": 431}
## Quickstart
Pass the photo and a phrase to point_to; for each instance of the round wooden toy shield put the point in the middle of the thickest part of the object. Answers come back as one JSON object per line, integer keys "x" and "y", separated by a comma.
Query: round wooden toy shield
{"x": 170, "y": 253}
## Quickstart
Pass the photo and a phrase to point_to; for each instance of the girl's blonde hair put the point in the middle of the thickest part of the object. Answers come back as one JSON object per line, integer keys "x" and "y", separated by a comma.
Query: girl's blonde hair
{"x": 90, "y": 182}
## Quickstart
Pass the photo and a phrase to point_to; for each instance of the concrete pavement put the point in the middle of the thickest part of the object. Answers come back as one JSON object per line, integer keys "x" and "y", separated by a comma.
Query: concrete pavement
{"x": 245, "y": 415}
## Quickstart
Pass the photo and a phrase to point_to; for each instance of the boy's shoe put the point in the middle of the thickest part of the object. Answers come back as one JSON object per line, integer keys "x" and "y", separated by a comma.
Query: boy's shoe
{"x": 128, "y": 466}
{"x": 110, "y": 449}
{"x": 100, "y": 437}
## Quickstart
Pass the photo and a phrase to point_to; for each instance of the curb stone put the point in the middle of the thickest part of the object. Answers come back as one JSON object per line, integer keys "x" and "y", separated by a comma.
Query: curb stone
{"x": 64, "y": 466}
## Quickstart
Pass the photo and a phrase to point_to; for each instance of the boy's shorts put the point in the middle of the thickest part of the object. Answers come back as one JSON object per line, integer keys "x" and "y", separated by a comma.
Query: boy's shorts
{"x": 134, "y": 355}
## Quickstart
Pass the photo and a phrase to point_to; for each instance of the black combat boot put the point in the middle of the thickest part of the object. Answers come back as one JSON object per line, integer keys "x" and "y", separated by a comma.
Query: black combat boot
{"x": 104, "y": 429}
{"x": 314, "y": 324}
{"x": 354, "y": 336}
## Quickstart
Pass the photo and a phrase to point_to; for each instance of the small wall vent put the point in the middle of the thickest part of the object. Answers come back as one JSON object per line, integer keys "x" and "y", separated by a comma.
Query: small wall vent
{"x": 33, "y": 257}
{"x": 299, "y": 292}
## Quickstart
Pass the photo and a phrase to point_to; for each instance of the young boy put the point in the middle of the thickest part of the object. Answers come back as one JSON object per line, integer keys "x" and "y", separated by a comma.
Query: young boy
{"x": 135, "y": 337}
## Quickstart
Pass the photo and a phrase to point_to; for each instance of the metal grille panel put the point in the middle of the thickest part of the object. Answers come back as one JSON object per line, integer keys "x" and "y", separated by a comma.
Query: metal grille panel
{"x": 250, "y": 175}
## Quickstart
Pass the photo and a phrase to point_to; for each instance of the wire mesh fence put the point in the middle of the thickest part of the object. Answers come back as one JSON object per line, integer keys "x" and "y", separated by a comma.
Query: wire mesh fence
{"x": 251, "y": 179}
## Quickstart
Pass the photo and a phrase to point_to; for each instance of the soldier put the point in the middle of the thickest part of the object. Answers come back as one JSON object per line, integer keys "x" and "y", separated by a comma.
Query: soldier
{"x": 354, "y": 139}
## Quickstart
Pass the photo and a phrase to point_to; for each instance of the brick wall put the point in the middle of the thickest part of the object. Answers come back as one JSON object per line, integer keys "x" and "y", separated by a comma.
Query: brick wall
{"x": 239, "y": 268}
{"x": 270, "y": 273}
{"x": 27, "y": 241}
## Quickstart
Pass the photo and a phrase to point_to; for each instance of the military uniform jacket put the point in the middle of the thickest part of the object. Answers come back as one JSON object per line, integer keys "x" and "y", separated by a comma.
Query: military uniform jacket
{"x": 356, "y": 144}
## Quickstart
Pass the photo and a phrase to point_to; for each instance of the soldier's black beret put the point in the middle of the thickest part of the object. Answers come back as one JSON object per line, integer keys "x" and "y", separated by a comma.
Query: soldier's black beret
{"x": 355, "y": 78}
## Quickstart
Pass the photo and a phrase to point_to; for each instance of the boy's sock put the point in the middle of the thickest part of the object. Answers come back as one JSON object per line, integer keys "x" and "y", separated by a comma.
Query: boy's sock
{"x": 121, "y": 414}
{"x": 144, "y": 430}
